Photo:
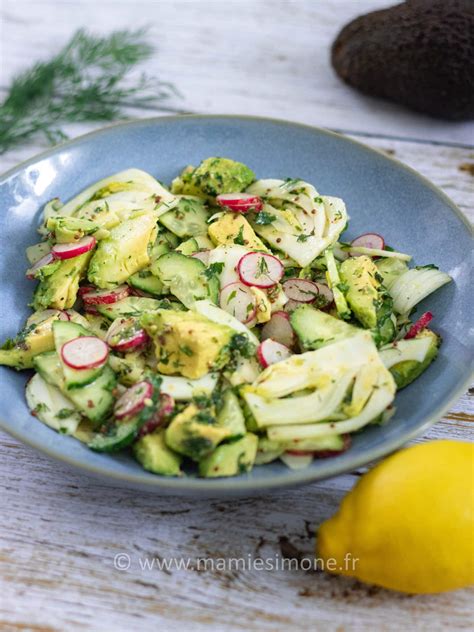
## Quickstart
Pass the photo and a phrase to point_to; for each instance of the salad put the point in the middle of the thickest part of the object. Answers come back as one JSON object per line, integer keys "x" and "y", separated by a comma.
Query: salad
{"x": 217, "y": 324}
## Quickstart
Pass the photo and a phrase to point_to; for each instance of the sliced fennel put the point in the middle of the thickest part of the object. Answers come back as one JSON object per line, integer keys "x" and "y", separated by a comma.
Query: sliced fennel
{"x": 296, "y": 461}
{"x": 413, "y": 349}
{"x": 221, "y": 317}
{"x": 329, "y": 372}
{"x": 414, "y": 285}
{"x": 376, "y": 252}
{"x": 50, "y": 406}
{"x": 378, "y": 402}
{"x": 183, "y": 389}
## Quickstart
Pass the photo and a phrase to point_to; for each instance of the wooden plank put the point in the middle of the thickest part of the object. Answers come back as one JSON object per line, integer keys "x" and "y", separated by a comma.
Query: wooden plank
{"x": 248, "y": 56}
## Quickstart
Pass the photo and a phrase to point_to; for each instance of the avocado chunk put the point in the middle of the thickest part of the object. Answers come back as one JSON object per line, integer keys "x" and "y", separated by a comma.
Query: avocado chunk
{"x": 124, "y": 252}
{"x": 316, "y": 329}
{"x": 155, "y": 456}
{"x": 233, "y": 228}
{"x": 59, "y": 289}
{"x": 194, "y": 433}
{"x": 360, "y": 276}
{"x": 230, "y": 459}
{"x": 187, "y": 343}
{"x": 230, "y": 415}
{"x": 416, "y": 53}
{"x": 31, "y": 341}
{"x": 408, "y": 359}
{"x": 131, "y": 306}
{"x": 70, "y": 229}
{"x": 129, "y": 368}
{"x": 213, "y": 177}
{"x": 188, "y": 218}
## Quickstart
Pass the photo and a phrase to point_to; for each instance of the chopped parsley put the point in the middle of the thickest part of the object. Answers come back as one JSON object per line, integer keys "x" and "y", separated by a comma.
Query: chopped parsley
{"x": 263, "y": 218}
{"x": 239, "y": 239}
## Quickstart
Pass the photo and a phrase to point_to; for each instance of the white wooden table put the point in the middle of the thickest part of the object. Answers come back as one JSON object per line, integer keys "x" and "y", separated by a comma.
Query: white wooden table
{"x": 59, "y": 530}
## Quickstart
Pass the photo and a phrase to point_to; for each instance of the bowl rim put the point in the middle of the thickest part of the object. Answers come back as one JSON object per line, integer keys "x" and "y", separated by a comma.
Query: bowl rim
{"x": 188, "y": 485}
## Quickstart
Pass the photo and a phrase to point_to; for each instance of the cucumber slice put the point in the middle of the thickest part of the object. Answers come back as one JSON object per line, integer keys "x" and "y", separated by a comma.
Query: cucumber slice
{"x": 73, "y": 378}
{"x": 186, "y": 278}
{"x": 146, "y": 282}
{"x": 94, "y": 401}
{"x": 187, "y": 219}
{"x": 121, "y": 436}
{"x": 130, "y": 306}
{"x": 316, "y": 329}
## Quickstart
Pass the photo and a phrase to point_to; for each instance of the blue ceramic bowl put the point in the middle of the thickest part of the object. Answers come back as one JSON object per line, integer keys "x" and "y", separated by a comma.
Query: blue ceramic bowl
{"x": 381, "y": 194}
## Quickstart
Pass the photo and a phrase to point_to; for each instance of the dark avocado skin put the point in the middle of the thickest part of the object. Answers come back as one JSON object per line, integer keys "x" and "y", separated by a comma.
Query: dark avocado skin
{"x": 419, "y": 54}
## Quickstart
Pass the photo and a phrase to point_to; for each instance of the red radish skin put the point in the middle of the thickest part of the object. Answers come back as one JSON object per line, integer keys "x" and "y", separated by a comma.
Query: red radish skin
{"x": 323, "y": 454}
{"x": 279, "y": 329}
{"x": 133, "y": 400}
{"x": 86, "y": 289}
{"x": 367, "y": 240}
{"x": 236, "y": 299}
{"x": 301, "y": 290}
{"x": 44, "y": 261}
{"x": 260, "y": 270}
{"x": 85, "y": 352}
{"x": 420, "y": 324}
{"x": 270, "y": 351}
{"x": 106, "y": 297}
{"x": 240, "y": 202}
{"x": 124, "y": 334}
{"x": 68, "y": 251}
{"x": 165, "y": 409}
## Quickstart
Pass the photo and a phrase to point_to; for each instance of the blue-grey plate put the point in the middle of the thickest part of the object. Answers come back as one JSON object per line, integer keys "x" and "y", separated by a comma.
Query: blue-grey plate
{"x": 381, "y": 194}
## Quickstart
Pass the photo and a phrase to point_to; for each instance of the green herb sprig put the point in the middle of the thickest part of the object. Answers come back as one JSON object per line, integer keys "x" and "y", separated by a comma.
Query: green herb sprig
{"x": 82, "y": 83}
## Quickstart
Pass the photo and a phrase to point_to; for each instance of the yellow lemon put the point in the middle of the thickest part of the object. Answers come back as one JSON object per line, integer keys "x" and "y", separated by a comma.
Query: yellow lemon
{"x": 408, "y": 524}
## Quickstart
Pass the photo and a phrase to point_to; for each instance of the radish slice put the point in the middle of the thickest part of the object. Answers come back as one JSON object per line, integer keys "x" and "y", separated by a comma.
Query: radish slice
{"x": 133, "y": 400}
{"x": 202, "y": 255}
{"x": 39, "y": 317}
{"x": 290, "y": 306}
{"x": 68, "y": 251}
{"x": 240, "y": 202}
{"x": 301, "y": 290}
{"x": 44, "y": 261}
{"x": 106, "y": 297}
{"x": 125, "y": 333}
{"x": 165, "y": 409}
{"x": 85, "y": 352}
{"x": 270, "y": 351}
{"x": 368, "y": 240}
{"x": 260, "y": 270}
{"x": 420, "y": 324}
{"x": 238, "y": 300}
{"x": 279, "y": 329}
{"x": 85, "y": 289}
{"x": 326, "y": 292}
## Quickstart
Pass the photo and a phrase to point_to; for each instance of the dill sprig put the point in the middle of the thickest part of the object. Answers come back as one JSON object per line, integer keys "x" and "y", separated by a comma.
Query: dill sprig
{"x": 83, "y": 82}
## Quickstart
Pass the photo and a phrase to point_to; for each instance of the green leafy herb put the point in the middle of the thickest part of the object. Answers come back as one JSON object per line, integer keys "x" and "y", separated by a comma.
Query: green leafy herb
{"x": 303, "y": 238}
{"x": 263, "y": 218}
{"x": 64, "y": 413}
{"x": 262, "y": 268}
{"x": 240, "y": 237}
{"x": 214, "y": 269}
{"x": 82, "y": 82}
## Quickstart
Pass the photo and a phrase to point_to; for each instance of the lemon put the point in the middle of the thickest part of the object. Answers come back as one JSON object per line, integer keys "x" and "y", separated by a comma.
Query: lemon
{"x": 408, "y": 524}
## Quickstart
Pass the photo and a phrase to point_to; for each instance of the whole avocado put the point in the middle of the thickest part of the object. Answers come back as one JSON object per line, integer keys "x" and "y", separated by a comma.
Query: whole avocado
{"x": 419, "y": 54}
